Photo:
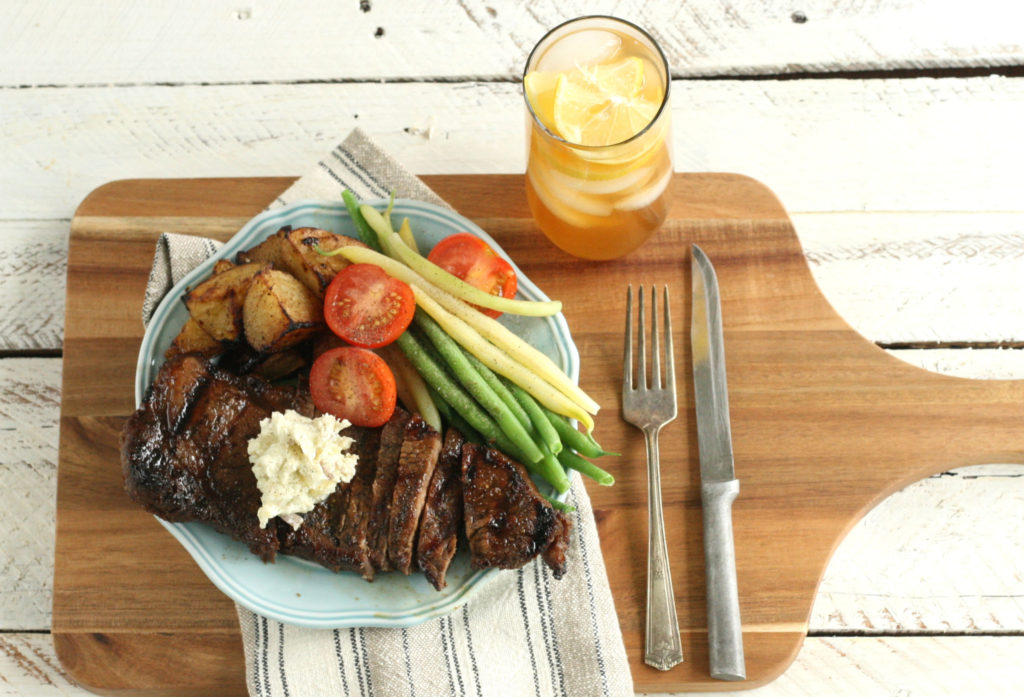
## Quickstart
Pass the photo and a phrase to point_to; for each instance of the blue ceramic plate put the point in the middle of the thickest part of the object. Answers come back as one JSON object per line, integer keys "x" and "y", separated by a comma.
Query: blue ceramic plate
{"x": 293, "y": 590}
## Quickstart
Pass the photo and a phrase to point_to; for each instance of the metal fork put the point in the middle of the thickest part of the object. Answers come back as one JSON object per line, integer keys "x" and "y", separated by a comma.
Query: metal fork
{"x": 649, "y": 405}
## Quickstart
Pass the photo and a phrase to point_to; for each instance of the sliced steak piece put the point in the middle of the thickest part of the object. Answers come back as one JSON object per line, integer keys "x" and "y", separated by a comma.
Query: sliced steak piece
{"x": 554, "y": 555}
{"x": 442, "y": 512}
{"x": 391, "y": 437}
{"x": 352, "y": 535}
{"x": 317, "y": 538}
{"x": 184, "y": 452}
{"x": 333, "y": 534}
{"x": 508, "y": 522}
{"x": 416, "y": 463}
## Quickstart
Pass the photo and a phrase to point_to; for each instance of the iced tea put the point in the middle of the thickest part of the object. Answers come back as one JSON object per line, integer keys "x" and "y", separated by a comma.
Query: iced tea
{"x": 599, "y": 164}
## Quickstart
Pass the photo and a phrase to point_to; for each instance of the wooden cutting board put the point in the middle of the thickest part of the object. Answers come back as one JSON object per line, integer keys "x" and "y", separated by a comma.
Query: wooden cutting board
{"x": 825, "y": 425}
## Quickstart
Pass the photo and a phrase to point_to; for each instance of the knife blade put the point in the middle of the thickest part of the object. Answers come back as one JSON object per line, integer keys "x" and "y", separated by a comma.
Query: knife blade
{"x": 719, "y": 485}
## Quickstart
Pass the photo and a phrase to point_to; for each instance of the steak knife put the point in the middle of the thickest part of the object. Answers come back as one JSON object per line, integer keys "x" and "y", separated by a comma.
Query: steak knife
{"x": 718, "y": 483}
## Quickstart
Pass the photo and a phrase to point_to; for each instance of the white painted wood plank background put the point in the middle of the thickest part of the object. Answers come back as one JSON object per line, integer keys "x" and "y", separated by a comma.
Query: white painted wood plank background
{"x": 199, "y": 41}
{"x": 830, "y": 149}
{"x": 904, "y": 191}
{"x": 828, "y": 145}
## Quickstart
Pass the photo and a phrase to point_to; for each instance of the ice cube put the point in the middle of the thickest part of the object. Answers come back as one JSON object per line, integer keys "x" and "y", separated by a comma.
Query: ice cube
{"x": 582, "y": 48}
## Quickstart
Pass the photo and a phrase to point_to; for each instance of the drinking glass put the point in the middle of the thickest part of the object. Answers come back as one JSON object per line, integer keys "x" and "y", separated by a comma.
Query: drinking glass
{"x": 599, "y": 166}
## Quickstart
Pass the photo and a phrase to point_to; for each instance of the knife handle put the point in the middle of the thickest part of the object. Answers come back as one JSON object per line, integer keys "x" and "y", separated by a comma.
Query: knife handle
{"x": 725, "y": 633}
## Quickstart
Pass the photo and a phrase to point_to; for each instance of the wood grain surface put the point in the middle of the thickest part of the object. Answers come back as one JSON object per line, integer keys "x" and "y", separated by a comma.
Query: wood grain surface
{"x": 825, "y": 425}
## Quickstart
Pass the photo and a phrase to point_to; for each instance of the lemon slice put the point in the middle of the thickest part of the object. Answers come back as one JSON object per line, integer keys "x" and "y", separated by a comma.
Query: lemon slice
{"x": 539, "y": 87}
{"x": 647, "y": 195}
{"x": 601, "y": 187}
{"x": 596, "y": 164}
{"x": 624, "y": 79}
{"x": 601, "y": 104}
{"x": 573, "y": 198}
{"x": 574, "y": 208}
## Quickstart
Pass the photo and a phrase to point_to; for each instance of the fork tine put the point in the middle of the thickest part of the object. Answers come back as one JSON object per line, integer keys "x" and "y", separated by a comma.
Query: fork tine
{"x": 627, "y": 361}
{"x": 670, "y": 361}
{"x": 641, "y": 349}
{"x": 655, "y": 341}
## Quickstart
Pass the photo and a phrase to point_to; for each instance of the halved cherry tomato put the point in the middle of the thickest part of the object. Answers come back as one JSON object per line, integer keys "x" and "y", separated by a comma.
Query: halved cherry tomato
{"x": 471, "y": 259}
{"x": 355, "y": 384}
{"x": 366, "y": 307}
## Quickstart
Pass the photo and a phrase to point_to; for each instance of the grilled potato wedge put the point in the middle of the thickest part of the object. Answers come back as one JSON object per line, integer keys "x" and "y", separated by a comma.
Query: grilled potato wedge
{"x": 269, "y": 251}
{"x": 279, "y": 311}
{"x": 193, "y": 339}
{"x": 276, "y": 366}
{"x": 216, "y": 303}
{"x": 222, "y": 265}
{"x": 300, "y": 258}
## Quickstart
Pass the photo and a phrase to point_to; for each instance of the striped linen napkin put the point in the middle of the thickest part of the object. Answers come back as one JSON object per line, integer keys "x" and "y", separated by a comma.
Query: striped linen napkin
{"x": 523, "y": 634}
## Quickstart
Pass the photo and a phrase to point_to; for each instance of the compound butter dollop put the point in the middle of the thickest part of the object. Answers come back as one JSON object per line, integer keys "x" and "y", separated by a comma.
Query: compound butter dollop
{"x": 298, "y": 462}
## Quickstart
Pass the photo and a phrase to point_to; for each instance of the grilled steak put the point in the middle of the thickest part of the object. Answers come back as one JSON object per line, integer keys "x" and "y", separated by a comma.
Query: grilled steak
{"x": 508, "y": 522}
{"x": 554, "y": 555}
{"x": 333, "y": 534}
{"x": 416, "y": 464}
{"x": 195, "y": 415}
{"x": 184, "y": 457}
{"x": 442, "y": 512}
{"x": 352, "y": 536}
{"x": 391, "y": 437}
{"x": 317, "y": 538}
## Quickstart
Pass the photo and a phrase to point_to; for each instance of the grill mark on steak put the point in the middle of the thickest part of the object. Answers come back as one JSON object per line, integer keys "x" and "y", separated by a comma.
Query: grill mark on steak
{"x": 442, "y": 512}
{"x": 508, "y": 522}
{"x": 391, "y": 437}
{"x": 416, "y": 463}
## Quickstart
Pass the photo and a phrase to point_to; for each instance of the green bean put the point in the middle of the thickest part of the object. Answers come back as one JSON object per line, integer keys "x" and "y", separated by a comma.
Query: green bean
{"x": 453, "y": 420}
{"x": 500, "y": 389}
{"x": 453, "y": 397}
{"x": 387, "y": 238}
{"x": 559, "y": 505}
{"x": 490, "y": 341}
{"x": 584, "y": 443}
{"x": 499, "y": 360}
{"x": 538, "y": 418}
{"x": 443, "y": 407}
{"x": 366, "y": 235}
{"x": 452, "y": 393}
{"x": 514, "y": 397}
{"x": 394, "y": 248}
{"x": 464, "y": 372}
{"x": 573, "y": 461}
{"x": 551, "y": 470}
{"x": 388, "y": 209}
{"x": 405, "y": 232}
{"x": 412, "y": 389}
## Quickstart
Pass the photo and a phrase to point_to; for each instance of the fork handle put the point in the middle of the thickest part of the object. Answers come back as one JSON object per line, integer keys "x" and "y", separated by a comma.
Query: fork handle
{"x": 725, "y": 633}
{"x": 662, "y": 645}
